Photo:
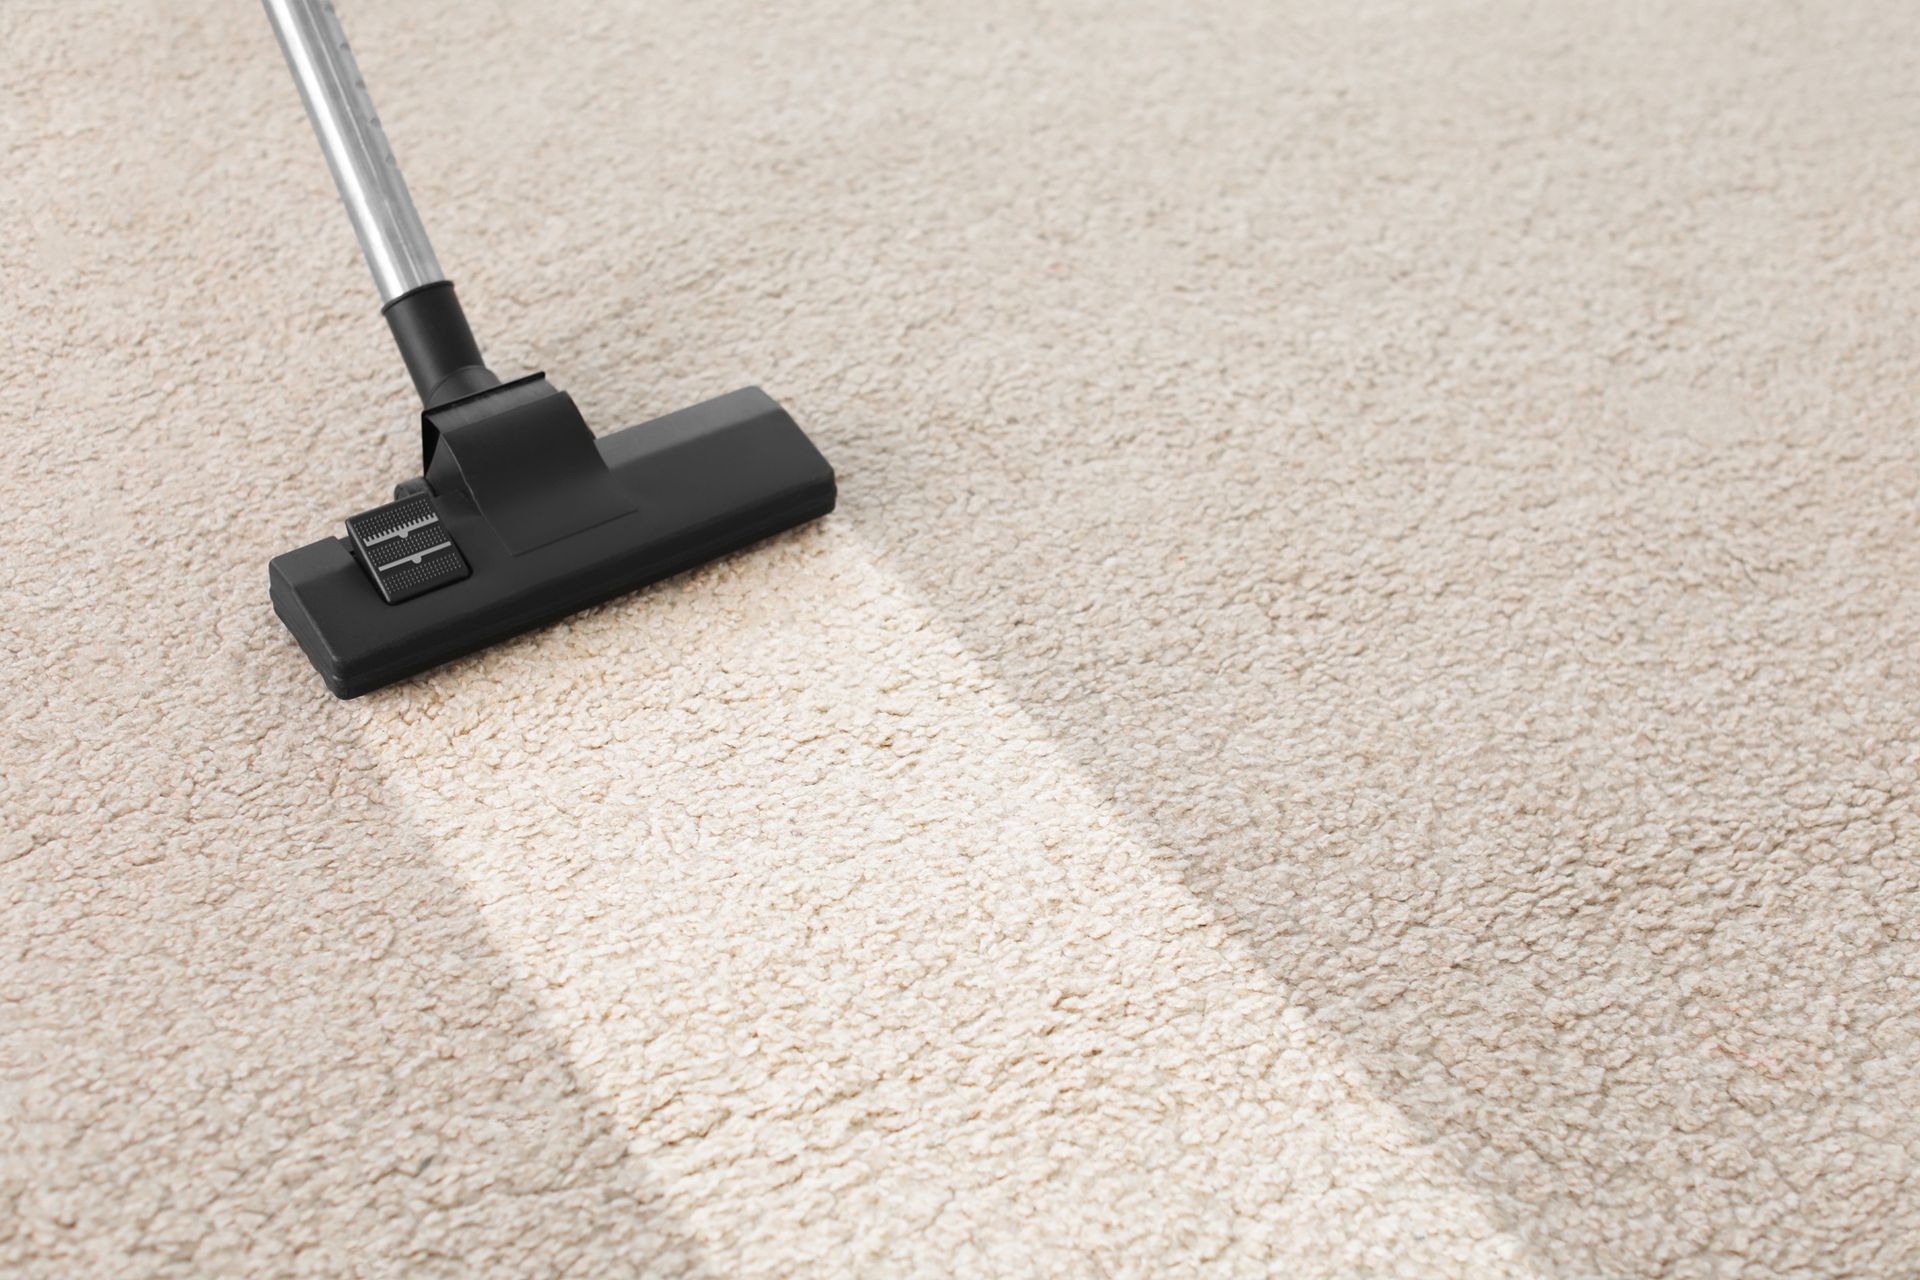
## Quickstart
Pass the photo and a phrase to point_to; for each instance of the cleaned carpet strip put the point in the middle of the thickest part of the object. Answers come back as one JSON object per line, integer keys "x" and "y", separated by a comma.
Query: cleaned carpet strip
{"x": 872, "y": 980}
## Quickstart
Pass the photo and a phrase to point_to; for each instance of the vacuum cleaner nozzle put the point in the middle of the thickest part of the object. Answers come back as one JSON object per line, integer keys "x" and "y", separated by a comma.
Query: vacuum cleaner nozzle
{"x": 523, "y": 517}
{"x": 520, "y": 514}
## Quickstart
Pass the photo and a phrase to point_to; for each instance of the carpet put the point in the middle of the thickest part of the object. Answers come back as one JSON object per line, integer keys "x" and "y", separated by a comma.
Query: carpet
{"x": 1360, "y": 714}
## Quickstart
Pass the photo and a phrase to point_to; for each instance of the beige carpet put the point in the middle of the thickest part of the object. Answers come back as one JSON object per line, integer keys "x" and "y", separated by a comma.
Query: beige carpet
{"x": 1360, "y": 715}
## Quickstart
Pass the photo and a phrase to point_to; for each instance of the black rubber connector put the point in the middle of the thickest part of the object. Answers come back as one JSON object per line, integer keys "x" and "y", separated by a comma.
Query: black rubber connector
{"x": 434, "y": 339}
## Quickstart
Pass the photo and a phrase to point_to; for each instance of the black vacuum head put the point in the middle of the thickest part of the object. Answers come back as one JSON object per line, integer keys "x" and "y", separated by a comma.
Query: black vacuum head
{"x": 519, "y": 515}
{"x": 523, "y": 516}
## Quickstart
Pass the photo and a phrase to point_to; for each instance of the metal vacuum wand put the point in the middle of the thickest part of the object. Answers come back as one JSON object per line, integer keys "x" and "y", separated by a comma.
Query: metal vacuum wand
{"x": 391, "y": 234}
{"x": 416, "y": 298}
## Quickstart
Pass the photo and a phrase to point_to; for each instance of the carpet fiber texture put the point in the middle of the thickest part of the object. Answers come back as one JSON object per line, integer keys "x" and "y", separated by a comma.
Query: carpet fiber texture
{"x": 1360, "y": 714}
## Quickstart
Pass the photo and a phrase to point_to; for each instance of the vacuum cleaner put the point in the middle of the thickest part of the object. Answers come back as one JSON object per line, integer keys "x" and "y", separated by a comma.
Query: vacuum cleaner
{"x": 519, "y": 515}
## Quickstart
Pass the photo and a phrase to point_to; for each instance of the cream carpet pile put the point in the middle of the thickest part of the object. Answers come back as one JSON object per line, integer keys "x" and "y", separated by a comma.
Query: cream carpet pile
{"x": 1360, "y": 714}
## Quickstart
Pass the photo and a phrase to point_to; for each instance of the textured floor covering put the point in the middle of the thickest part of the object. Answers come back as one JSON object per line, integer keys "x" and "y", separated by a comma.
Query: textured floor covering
{"x": 1361, "y": 714}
